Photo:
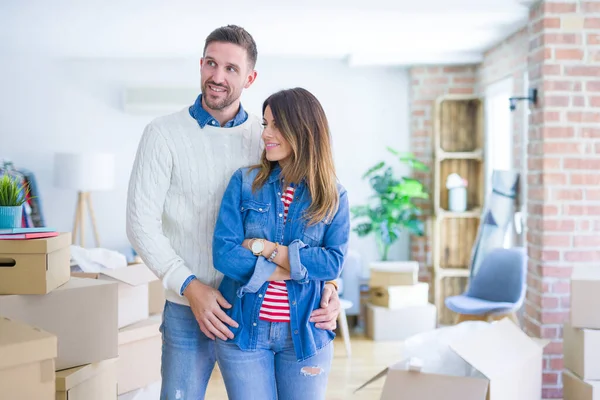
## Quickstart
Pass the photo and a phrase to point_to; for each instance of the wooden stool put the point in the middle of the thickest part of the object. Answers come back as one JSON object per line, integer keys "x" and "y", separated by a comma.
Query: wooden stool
{"x": 343, "y": 321}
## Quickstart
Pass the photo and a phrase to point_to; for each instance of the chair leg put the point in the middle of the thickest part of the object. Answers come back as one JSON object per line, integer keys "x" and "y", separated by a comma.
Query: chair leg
{"x": 343, "y": 321}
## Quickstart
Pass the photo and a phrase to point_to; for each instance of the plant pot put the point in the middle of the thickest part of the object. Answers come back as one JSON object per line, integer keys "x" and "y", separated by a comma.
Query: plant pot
{"x": 10, "y": 217}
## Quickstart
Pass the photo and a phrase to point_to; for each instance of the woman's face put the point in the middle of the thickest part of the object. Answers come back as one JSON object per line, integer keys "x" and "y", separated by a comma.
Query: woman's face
{"x": 277, "y": 148}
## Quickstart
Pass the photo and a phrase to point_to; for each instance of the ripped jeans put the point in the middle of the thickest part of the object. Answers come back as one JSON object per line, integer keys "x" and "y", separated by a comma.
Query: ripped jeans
{"x": 272, "y": 371}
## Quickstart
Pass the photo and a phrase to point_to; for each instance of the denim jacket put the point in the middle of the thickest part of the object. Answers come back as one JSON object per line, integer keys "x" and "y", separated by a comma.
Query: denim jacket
{"x": 316, "y": 254}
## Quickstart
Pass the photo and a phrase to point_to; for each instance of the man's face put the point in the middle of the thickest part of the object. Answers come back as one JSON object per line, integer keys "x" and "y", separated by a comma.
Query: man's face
{"x": 224, "y": 73}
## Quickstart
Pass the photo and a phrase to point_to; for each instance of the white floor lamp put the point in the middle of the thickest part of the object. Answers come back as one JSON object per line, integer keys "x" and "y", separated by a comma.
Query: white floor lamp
{"x": 85, "y": 173}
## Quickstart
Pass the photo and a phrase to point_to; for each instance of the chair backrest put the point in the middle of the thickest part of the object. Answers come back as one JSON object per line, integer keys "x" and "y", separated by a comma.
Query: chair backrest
{"x": 502, "y": 276}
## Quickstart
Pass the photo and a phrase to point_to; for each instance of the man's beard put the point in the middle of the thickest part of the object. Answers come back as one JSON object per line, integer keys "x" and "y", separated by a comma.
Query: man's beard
{"x": 217, "y": 104}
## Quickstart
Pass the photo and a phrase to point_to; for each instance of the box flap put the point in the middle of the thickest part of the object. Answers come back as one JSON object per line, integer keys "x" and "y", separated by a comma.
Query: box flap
{"x": 21, "y": 343}
{"x": 77, "y": 282}
{"x": 585, "y": 273}
{"x": 142, "y": 330}
{"x": 395, "y": 266}
{"x": 35, "y": 246}
{"x": 133, "y": 275}
{"x": 69, "y": 378}
{"x": 499, "y": 352}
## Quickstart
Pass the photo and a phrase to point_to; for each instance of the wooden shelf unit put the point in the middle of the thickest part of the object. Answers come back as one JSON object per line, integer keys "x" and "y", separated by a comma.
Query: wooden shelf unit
{"x": 459, "y": 147}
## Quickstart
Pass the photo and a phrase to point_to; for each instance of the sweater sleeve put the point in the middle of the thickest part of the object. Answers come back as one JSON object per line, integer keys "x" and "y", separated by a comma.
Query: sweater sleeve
{"x": 148, "y": 186}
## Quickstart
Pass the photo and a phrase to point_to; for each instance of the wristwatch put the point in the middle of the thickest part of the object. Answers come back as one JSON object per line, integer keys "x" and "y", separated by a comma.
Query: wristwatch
{"x": 257, "y": 246}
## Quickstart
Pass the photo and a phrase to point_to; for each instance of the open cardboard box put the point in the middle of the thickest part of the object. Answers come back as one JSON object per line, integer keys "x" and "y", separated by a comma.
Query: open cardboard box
{"x": 504, "y": 361}
{"x": 132, "y": 288}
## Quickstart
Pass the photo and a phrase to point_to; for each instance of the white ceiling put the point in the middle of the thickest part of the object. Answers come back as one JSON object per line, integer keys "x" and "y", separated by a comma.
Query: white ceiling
{"x": 375, "y": 32}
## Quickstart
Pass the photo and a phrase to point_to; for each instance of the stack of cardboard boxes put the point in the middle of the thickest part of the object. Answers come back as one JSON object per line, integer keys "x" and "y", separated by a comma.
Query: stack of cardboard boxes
{"x": 581, "y": 337}
{"x": 66, "y": 336}
{"x": 398, "y": 305}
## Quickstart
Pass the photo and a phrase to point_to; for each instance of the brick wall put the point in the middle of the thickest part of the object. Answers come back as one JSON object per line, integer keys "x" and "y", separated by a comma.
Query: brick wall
{"x": 563, "y": 161}
{"x": 427, "y": 84}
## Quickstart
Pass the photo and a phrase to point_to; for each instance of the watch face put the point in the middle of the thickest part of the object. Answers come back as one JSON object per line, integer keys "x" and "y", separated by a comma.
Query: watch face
{"x": 258, "y": 247}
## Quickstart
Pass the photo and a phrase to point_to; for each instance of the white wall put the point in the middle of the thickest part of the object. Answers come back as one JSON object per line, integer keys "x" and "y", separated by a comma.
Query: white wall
{"x": 75, "y": 105}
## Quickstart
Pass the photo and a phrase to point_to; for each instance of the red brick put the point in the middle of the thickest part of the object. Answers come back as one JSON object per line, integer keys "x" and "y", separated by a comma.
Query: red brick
{"x": 439, "y": 80}
{"x": 593, "y": 86}
{"x": 590, "y": 7}
{"x": 558, "y": 86}
{"x": 593, "y": 39}
{"x": 568, "y": 194}
{"x": 418, "y": 113}
{"x": 550, "y": 378}
{"x": 560, "y": 38}
{"x": 554, "y": 317}
{"x": 586, "y": 241}
{"x": 556, "y": 272}
{"x": 578, "y": 116}
{"x": 556, "y": 241}
{"x": 582, "y": 255}
{"x": 592, "y": 23}
{"x": 568, "y": 54}
{"x": 595, "y": 101}
{"x": 563, "y": 148}
{"x": 581, "y": 210}
{"x": 585, "y": 179}
{"x": 550, "y": 255}
{"x": 565, "y": 302}
{"x": 553, "y": 179}
{"x": 548, "y": 332}
{"x": 550, "y": 302}
{"x": 458, "y": 90}
{"x": 552, "y": 393}
{"x": 582, "y": 70}
{"x": 556, "y": 101}
{"x": 592, "y": 194}
{"x": 558, "y": 8}
{"x": 561, "y": 287}
{"x": 558, "y": 132}
{"x": 552, "y": 69}
{"x": 463, "y": 80}
{"x": 582, "y": 163}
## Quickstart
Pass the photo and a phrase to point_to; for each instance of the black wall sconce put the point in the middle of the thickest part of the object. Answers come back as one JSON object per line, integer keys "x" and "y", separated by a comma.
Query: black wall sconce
{"x": 533, "y": 96}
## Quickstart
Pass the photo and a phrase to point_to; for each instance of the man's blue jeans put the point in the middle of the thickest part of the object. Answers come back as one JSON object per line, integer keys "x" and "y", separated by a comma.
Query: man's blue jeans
{"x": 272, "y": 371}
{"x": 188, "y": 356}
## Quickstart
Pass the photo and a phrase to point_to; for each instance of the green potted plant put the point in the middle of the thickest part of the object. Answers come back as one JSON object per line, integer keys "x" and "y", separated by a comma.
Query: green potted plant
{"x": 392, "y": 207}
{"x": 12, "y": 197}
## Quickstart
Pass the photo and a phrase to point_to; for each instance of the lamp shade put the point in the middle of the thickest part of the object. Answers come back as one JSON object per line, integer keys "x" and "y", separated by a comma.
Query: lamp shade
{"x": 84, "y": 172}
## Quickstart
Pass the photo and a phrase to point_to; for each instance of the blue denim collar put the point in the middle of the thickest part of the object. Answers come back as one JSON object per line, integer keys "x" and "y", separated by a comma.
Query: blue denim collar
{"x": 204, "y": 118}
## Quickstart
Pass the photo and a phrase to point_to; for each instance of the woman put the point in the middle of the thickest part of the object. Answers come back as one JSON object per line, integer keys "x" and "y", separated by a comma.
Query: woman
{"x": 281, "y": 234}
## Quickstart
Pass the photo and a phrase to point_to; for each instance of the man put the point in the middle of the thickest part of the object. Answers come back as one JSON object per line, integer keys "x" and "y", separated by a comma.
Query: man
{"x": 182, "y": 167}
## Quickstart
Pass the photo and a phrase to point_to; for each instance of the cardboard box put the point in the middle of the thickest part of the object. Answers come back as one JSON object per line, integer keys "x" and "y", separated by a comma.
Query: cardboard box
{"x": 26, "y": 361}
{"x": 508, "y": 365}
{"x": 82, "y": 313}
{"x": 576, "y": 389}
{"x": 581, "y": 348}
{"x": 140, "y": 349}
{"x": 399, "y": 324}
{"x": 35, "y": 266}
{"x": 395, "y": 297}
{"x": 393, "y": 273}
{"x": 133, "y": 290}
{"x": 97, "y": 381}
{"x": 156, "y": 297}
{"x": 585, "y": 297}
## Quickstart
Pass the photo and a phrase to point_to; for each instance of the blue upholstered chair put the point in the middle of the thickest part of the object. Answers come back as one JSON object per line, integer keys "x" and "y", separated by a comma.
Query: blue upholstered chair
{"x": 497, "y": 290}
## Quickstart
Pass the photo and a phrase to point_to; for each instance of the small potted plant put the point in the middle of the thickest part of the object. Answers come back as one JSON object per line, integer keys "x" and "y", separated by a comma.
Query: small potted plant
{"x": 12, "y": 197}
{"x": 392, "y": 208}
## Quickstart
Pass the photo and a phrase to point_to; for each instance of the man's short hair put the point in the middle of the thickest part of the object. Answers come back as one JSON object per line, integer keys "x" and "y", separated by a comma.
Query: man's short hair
{"x": 235, "y": 35}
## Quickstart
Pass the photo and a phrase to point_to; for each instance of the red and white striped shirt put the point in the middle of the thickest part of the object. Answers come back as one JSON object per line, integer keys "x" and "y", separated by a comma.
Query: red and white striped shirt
{"x": 275, "y": 306}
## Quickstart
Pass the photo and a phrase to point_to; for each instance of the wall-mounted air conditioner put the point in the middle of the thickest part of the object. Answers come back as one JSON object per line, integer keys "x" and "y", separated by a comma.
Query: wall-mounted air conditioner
{"x": 158, "y": 100}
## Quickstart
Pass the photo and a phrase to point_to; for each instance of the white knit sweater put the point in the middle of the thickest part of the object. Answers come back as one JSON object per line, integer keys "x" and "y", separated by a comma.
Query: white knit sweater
{"x": 178, "y": 178}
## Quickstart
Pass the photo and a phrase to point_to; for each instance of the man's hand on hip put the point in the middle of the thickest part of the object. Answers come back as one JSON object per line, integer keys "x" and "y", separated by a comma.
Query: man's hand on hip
{"x": 206, "y": 303}
{"x": 326, "y": 316}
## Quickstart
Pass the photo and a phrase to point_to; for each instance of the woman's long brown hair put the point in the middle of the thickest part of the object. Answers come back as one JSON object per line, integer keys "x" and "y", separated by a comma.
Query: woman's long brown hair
{"x": 301, "y": 120}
